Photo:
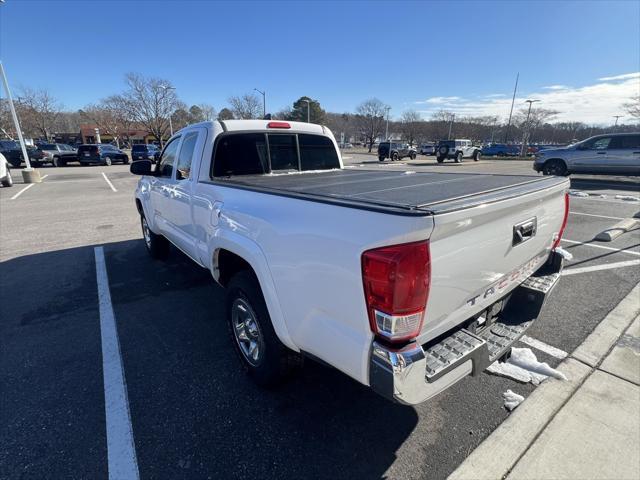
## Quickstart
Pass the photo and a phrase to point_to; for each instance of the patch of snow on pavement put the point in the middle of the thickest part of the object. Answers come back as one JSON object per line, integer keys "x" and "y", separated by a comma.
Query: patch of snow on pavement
{"x": 565, "y": 254}
{"x": 524, "y": 367}
{"x": 629, "y": 198}
{"x": 576, "y": 193}
{"x": 512, "y": 399}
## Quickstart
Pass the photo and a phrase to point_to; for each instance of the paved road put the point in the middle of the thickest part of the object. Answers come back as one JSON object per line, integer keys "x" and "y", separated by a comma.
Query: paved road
{"x": 194, "y": 415}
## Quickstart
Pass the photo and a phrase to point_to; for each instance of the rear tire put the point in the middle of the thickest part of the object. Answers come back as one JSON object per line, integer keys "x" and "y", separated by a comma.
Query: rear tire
{"x": 107, "y": 161}
{"x": 476, "y": 155}
{"x": 554, "y": 167}
{"x": 262, "y": 355}
{"x": 157, "y": 245}
{"x": 395, "y": 157}
{"x": 7, "y": 181}
{"x": 125, "y": 161}
{"x": 381, "y": 159}
{"x": 413, "y": 156}
{"x": 440, "y": 159}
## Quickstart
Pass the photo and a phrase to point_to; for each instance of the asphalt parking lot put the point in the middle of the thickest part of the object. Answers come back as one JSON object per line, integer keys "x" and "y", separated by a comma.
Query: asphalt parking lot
{"x": 193, "y": 413}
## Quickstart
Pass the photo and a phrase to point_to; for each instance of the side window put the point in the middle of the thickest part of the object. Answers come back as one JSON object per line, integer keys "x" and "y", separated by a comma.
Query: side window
{"x": 168, "y": 158}
{"x": 626, "y": 142}
{"x": 240, "y": 154}
{"x": 601, "y": 143}
{"x": 183, "y": 169}
{"x": 283, "y": 151}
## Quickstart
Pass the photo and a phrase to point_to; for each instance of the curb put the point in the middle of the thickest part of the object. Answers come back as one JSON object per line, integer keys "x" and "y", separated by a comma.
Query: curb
{"x": 497, "y": 455}
{"x": 618, "y": 229}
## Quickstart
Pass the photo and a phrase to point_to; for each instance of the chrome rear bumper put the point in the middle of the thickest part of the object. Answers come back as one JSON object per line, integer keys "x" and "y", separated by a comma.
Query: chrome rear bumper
{"x": 415, "y": 373}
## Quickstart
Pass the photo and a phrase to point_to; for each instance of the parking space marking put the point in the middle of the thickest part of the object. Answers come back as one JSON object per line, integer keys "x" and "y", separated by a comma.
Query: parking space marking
{"x": 597, "y": 216}
{"x": 587, "y": 244}
{"x": 109, "y": 182}
{"x": 26, "y": 188}
{"x": 543, "y": 347}
{"x": 596, "y": 268}
{"x": 121, "y": 450}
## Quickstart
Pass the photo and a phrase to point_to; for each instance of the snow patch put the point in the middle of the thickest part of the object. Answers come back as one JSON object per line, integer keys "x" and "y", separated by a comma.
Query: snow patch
{"x": 564, "y": 253}
{"x": 576, "y": 193}
{"x": 628, "y": 198}
{"x": 524, "y": 367}
{"x": 409, "y": 172}
{"x": 511, "y": 399}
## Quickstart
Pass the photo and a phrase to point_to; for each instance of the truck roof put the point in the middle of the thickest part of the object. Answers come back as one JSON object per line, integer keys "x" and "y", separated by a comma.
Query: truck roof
{"x": 417, "y": 193}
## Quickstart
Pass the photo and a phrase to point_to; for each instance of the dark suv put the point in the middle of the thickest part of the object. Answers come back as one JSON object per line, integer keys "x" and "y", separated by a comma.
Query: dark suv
{"x": 102, "y": 153}
{"x": 13, "y": 153}
{"x": 397, "y": 151}
{"x": 145, "y": 152}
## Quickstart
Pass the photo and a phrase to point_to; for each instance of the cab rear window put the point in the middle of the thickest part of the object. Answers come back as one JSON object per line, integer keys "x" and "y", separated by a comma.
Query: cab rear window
{"x": 259, "y": 153}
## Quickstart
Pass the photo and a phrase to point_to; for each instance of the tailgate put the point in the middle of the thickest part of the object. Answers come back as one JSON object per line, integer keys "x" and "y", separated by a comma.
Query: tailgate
{"x": 476, "y": 259}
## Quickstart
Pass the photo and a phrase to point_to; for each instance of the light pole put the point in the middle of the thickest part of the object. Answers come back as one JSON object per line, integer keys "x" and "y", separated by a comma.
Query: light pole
{"x": 616, "y": 124}
{"x": 451, "y": 119}
{"x": 308, "y": 107}
{"x": 264, "y": 102}
{"x": 386, "y": 135}
{"x": 165, "y": 88}
{"x": 525, "y": 136}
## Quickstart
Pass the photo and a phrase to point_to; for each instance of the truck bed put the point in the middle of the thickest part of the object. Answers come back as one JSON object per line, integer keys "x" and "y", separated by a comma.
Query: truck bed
{"x": 396, "y": 192}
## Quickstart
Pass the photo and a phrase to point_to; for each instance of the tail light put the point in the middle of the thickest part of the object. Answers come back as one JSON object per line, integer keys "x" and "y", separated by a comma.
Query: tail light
{"x": 396, "y": 287}
{"x": 278, "y": 125}
{"x": 564, "y": 222}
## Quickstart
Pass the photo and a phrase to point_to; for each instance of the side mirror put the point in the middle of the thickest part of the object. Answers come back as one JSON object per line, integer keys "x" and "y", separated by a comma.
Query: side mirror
{"x": 141, "y": 167}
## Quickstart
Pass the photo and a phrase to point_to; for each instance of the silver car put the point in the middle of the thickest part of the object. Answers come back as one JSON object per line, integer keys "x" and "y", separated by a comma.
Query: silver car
{"x": 611, "y": 154}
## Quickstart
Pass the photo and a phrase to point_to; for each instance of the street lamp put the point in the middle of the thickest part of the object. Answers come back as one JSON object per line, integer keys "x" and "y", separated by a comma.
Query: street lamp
{"x": 165, "y": 88}
{"x": 525, "y": 137}
{"x": 387, "y": 130}
{"x": 308, "y": 107}
{"x": 451, "y": 119}
{"x": 264, "y": 102}
{"x": 616, "y": 124}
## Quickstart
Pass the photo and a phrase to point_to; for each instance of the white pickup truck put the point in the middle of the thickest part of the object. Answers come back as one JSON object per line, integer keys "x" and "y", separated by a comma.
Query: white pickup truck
{"x": 405, "y": 281}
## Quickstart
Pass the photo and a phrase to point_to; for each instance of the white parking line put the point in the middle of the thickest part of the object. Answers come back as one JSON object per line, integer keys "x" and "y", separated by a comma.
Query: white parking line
{"x": 109, "y": 182}
{"x": 25, "y": 189}
{"x": 587, "y": 244}
{"x": 543, "y": 347}
{"x": 597, "y": 216}
{"x": 596, "y": 268}
{"x": 121, "y": 450}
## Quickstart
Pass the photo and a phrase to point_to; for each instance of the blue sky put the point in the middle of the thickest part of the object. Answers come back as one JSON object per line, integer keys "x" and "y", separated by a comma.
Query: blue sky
{"x": 458, "y": 55}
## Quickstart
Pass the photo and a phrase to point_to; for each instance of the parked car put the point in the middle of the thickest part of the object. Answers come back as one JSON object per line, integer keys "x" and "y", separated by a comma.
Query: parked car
{"x": 5, "y": 173}
{"x": 141, "y": 151}
{"x": 428, "y": 148}
{"x": 500, "y": 150}
{"x": 354, "y": 267}
{"x": 398, "y": 151}
{"x": 13, "y": 153}
{"x": 58, "y": 154}
{"x": 457, "y": 150}
{"x": 613, "y": 154}
{"x": 101, "y": 153}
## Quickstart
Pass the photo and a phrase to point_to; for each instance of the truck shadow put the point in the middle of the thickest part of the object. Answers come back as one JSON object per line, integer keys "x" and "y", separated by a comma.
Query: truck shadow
{"x": 195, "y": 414}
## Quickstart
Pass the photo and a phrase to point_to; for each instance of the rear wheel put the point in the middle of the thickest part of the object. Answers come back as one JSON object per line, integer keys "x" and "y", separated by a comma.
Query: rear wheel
{"x": 381, "y": 159}
{"x": 554, "y": 167}
{"x": 476, "y": 155}
{"x": 7, "y": 181}
{"x": 157, "y": 245}
{"x": 440, "y": 159}
{"x": 395, "y": 157}
{"x": 125, "y": 160}
{"x": 413, "y": 156}
{"x": 264, "y": 357}
{"x": 107, "y": 161}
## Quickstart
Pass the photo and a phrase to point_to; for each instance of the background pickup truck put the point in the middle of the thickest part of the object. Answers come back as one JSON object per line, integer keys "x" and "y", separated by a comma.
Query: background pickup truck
{"x": 405, "y": 282}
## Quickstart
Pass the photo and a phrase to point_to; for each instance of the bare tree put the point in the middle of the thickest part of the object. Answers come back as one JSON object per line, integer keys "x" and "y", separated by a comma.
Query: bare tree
{"x": 370, "y": 120}
{"x": 149, "y": 102}
{"x": 225, "y": 114}
{"x": 207, "y": 112}
{"x": 110, "y": 116}
{"x": 633, "y": 107}
{"x": 410, "y": 125}
{"x": 38, "y": 111}
{"x": 246, "y": 107}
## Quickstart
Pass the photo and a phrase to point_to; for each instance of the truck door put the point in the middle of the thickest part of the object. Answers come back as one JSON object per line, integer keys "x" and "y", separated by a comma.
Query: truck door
{"x": 624, "y": 155}
{"x": 593, "y": 157}
{"x": 160, "y": 184}
{"x": 178, "y": 214}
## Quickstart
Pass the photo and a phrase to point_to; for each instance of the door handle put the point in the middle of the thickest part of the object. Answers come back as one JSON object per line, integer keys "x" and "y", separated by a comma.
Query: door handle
{"x": 602, "y": 153}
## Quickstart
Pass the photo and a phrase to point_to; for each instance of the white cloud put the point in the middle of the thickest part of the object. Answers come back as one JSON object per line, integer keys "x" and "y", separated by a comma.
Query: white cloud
{"x": 495, "y": 95}
{"x": 592, "y": 104}
{"x": 625, "y": 76}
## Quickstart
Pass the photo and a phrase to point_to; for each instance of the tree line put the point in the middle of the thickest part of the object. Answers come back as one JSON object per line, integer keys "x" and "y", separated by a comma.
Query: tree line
{"x": 152, "y": 104}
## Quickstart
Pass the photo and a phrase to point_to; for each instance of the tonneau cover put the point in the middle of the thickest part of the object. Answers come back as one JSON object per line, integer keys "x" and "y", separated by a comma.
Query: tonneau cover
{"x": 418, "y": 193}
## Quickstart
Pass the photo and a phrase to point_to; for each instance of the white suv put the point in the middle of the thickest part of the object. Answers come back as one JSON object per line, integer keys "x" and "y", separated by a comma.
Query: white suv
{"x": 457, "y": 150}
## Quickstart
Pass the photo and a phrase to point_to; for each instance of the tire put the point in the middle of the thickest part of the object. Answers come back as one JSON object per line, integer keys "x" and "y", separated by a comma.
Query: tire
{"x": 125, "y": 161}
{"x": 107, "y": 161}
{"x": 476, "y": 155}
{"x": 395, "y": 157}
{"x": 554, "y": 167}
{"x": 36, "y": 163}
{"x": 15, "y": 163}
{"x": 269, "y": 362}
{"x": 381, "y": 159}
{"x": 440, "y": 159}
{"x": 458, "y": 158}
{"x": 7, "y": 181}
{"x": 56, "y": 162}
{"x": 413, "y": 156}
{"x": 157, "y": 245}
